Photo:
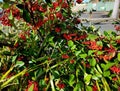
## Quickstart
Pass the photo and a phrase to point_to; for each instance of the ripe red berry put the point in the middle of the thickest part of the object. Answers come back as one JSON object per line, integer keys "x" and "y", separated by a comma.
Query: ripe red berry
{"x": 59, "y": 15}
{"x": 55, "y": 5}
{"x": 57, "y": 29}
{"x": 79, "y": 1}
{"x": 78, "y": 21}
{"x": 117, "y": 27}
{"x": 72, "y": 61}
{"x": 65, "y": 56}
{"x": 22, "y": 36}
{"x": 61, "y": 85}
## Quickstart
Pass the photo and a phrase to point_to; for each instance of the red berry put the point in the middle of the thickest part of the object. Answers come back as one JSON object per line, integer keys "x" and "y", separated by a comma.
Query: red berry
{"x": 94, "y": 88}
{"x": 51, "y": 17}
{"x": 65, "y": 56}
{"x": 78, "y": 21}
{"x": 61, "y": 85}
{"x": 41, "y": 9}
{"x": 57, "y": 29}
{"x": 64, "y": 5}
{"x": 117, "y": 27}
{"x": 72, "y": 61}
{"x": 22, "y": 36}
{"x": 59, "y": 15}
{"x": 79, "y": 1}
{"x": 55, "y": 5}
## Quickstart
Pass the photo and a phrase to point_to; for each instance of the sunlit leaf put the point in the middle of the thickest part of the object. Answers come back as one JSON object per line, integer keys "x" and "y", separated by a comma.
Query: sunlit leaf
{"x": 31, "y": 87}
{"x": 87, "y": 78}
{"x": 88, "y": 88}
{"x": 107, "y": 66}
{"x": 92, "y": 61}
{"x": 118, "y": 56}
{"x": 71, "y": 79}
{"x": 19, "y": 63}
{"x": 70, "y": 43}
{"x": 83, "y": 55}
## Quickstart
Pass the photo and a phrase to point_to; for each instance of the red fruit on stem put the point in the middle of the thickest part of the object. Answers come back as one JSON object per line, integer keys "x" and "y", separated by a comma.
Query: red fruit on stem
{"x": 94, "y": 88}
{"x": 65, "y": 5}
{"x": 55, "y": 5}
{"x": 61, "y": 85}
{"x": 59, "y": 15}
{"x": 41, "y": 9}
{"x": 65, "y": 56}
{"x": 22, "y": 36}
{"x": 67, "y": 37}
{"x": 35, "y": 84}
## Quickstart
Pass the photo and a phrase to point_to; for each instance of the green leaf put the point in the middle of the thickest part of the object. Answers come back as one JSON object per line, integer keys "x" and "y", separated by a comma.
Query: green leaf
{"x": 100, "y": 43}
{"x": 31, "y": 87}
{"x": 10, "y": 16}
{"x": 70, "y": 43}
{"x": 95, "y": 77}
{"x": 117, "y": 37}
{"x": 73, "y": 47}
{"x": 106, "y": 33}
{"x": 92, "y": 61}
{"x": 6, "y": 5}
{"x": 77, "y": 53}
{"x": 89, "y": 88}
{"x": 90, "y": 52}
{"x": 99, "y": 52}
{"x": 26, "y": 15}
{"x": 87, "y": 78}
{"x": 83, "y": 55}
{"x": 99, "y": 68}
{"x": 56, "y": 74}
{"x": 92, "y": 36}
{"x": 106, "y": 73}
{"x": 14, "y": 58}
{"x": 19, "y": 63}
{"x": 51, "y": 42}
{"x": 78, "y": 86}
{"x": 71, "y": 79}
{"x": 118, "y": 56}
{"x": 6, "y": 53}
{"x": 107, "y": 66}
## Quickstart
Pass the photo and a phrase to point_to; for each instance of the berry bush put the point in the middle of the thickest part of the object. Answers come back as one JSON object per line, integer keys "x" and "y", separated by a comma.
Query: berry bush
{"x": 43, "y": 49}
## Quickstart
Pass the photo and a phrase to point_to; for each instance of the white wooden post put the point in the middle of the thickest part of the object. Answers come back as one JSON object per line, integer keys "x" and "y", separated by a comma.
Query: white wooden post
{"x": 115, "y": 12}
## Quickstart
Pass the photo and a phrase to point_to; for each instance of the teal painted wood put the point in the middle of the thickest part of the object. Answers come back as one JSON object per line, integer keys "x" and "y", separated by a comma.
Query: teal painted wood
{"x": 89, "y": 7}
{"x": 109, "y": 6}
{"x": 100, "y": 6}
